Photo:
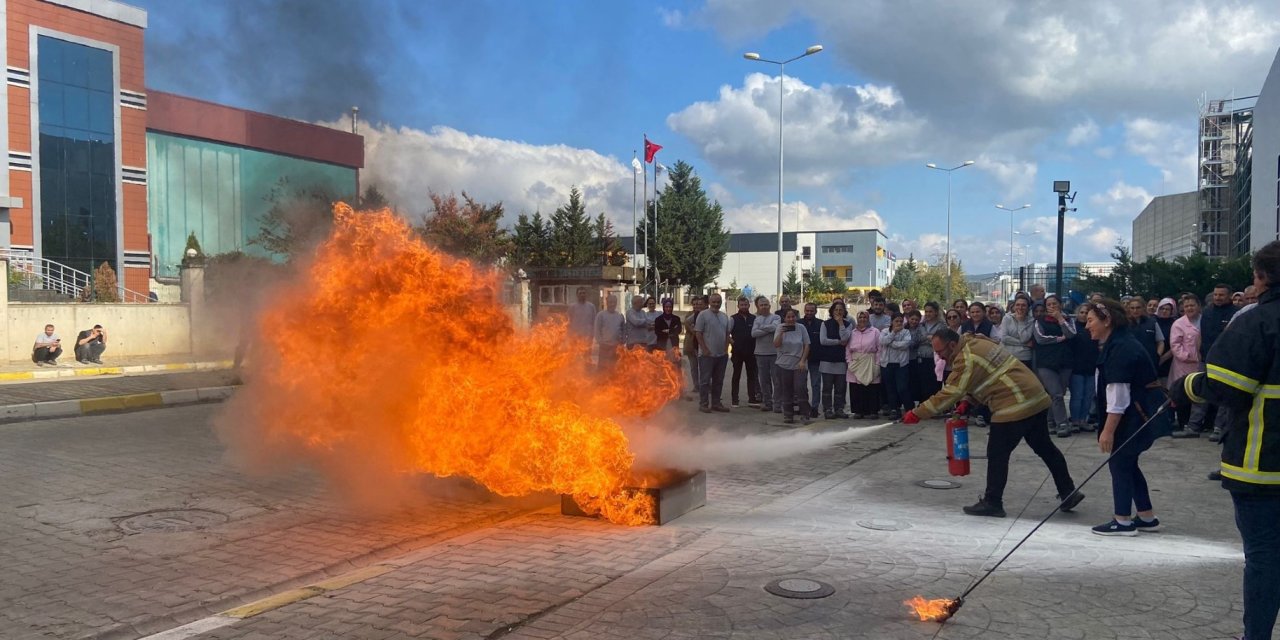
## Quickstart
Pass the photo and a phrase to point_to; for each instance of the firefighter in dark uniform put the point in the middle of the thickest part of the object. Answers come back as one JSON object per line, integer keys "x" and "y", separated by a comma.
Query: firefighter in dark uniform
{"x": 1243, "y": 375}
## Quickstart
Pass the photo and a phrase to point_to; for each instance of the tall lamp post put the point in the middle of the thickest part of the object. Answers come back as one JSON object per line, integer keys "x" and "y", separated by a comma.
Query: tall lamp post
{"x": 962, "y": 165}
{"x": 782, "y": 78}
{"x": 1011, "y": 212}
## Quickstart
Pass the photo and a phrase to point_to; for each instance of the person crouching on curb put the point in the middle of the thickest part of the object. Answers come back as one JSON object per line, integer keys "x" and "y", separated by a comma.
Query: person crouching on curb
{"x": 47, "y": 348}
{"x": 90, "y": 344}
{"x": 1019, "y": 406}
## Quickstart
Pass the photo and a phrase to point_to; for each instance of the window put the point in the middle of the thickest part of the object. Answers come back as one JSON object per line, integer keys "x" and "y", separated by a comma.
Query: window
{"x": 804, "y": 253}
{"x": 828, "y": 273}
{"x": 838, "y": 248}
{"x": 77, "y": 154}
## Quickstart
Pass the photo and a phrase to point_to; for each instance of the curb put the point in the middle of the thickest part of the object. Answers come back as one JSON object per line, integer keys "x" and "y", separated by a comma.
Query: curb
{"x": 75, "y": 371}
{"x": 112, "y": 404}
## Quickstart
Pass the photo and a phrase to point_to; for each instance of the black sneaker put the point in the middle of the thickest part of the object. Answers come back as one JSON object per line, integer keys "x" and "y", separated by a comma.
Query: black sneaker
{"x": 1147, "y": 526}
{"x": 1064, "y": 432}
{"x": 1072, "y": 501}
{"x": 720, "y": 408}
{"x": 984, "y": 508}
{"x": 1215, "y": 476}
{"x": 857, "y": 416}
{"x": 788, "y": 420}
{"x": 96, "y": 361}
{"x": 1114, "y": 528}
{"x": 1185, "y": 433}
{"x": 1216, "y": 435}
{"x": 704, "y": 409}
{"x": 828, "y": 415}
{"x": 840, "y": 415}
{"x": 813, "y": 412}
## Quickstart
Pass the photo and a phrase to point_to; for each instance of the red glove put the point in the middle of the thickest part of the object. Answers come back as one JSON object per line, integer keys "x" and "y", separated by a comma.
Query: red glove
{"x": 910, "y": 418}
{"x": 962, "y": 407}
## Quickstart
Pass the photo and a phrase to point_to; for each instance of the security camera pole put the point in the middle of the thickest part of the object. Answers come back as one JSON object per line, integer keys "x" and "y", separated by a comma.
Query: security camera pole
{"x": 1062, "y": 188}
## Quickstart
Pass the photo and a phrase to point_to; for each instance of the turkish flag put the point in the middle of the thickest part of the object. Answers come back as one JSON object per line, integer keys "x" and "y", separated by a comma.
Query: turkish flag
{"x": 650, "y": 149}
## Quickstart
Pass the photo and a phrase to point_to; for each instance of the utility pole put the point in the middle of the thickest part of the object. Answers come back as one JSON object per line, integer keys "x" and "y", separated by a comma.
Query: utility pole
{"x": 1062, "y": 188}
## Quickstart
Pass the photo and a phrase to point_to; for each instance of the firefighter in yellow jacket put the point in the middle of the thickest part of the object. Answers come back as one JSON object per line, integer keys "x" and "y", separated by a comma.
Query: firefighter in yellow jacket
{"x": 983, "y": 370}
{"x": 1243, "y": 374}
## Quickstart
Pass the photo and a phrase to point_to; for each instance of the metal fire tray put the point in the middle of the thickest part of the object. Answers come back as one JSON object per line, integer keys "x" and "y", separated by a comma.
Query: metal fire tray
{"x": 677, "y": 494}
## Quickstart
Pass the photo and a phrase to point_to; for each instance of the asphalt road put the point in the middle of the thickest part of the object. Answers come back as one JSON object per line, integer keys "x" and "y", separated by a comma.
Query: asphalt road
{"x": 127, "y": 525}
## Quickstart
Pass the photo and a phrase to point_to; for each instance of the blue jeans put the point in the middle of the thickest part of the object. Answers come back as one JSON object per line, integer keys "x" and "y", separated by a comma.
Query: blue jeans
{"x": 815, "y": 384}
{"x": 1128, "y": 485}
{"x": 1256, "y": 517}
{"x": 1083, "y": 388}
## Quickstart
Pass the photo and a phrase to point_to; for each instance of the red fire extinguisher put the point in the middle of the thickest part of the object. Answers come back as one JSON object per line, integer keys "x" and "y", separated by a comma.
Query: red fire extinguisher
{"x": 958, "y": 445}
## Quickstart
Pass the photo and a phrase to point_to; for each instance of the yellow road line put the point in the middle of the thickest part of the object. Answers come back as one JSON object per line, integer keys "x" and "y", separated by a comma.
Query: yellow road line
{"x": 121, "y": 403}
{"x": 18, "y": 375}
{"x": 272, "y": 602}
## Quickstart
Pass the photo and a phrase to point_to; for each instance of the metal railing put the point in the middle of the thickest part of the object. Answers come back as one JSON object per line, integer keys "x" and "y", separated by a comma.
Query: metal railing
{"x": 34, "y": 272}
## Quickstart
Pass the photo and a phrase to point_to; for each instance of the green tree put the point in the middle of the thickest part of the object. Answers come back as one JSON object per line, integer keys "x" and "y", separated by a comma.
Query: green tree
{"x": 691, "y": 239}
{"x": 791, "y": 286}
{"x": 298, "y": 219}
{"x": 837, "y": 286}
{"x": 733, "y": 292}
{"x": 573, "y": 241}
{"x": 531, "y": 242}
{"x": 466, "y": 229}
{"x": 105, "y": 285}
{"x": 609, "y": 249}
{"x": 373, "y": 200}
{"x": 906, "y": 275}
{"x": 814, "y": 283}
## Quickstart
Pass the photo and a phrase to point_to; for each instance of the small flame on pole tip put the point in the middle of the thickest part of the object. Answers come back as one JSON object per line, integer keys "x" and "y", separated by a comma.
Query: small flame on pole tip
{"x": 937, "y": 610}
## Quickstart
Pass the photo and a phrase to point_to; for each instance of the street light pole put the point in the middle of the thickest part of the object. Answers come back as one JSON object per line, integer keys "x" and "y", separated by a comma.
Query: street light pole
{"x": 1011, "y": 212}
{"x": 962, "y": 165}
{"x": 782, "y": 79}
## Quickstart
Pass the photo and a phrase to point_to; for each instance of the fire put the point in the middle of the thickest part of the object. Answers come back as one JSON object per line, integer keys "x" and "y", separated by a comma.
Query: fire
{"x": 938, "y": 610}
{"x": 390, "y": 357}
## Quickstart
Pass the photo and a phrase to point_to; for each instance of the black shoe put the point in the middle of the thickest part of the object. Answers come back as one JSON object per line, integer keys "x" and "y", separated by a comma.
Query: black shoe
{"x": 1215, "y": 476}
{"x": 1146, "y": 526}
{"x": 721, "y": 408}
{"x": 1216, "y": 435}
{"x": 96, "y": 361}
{"x": 789, "y": 420}
{"x": 1064, "y": 432}
{"x": 984, "y": 508}
{"x": 828, "y": 415}
{"x": 767, "y": 408}
{"x": 840, "y": 415}
{"x": 857, "y": 416}
{"x": 1072, "y": 501}
{"x": 704, "y": 409}
{"x": 1114, "y": 528}
{"x": 813, "y": 413}
{"x": 1185, "y": 433}
{"x": 82, "y": 361}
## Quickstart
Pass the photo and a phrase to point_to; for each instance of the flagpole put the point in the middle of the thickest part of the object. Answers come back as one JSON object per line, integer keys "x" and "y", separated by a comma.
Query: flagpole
{"x": 644, "y": 192}
{"x": 657, "y": 279}
{"x": 633, "y": 217}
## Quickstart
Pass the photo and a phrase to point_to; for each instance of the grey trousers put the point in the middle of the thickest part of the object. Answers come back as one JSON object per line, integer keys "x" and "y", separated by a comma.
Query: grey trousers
{"x": 764, "y": 370}
{"x": 711, "y": 380}
{"x": 1056, "y": 382}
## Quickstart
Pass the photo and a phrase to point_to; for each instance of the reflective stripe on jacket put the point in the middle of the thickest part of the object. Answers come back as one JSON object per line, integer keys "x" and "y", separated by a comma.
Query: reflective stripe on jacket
{"x": 1243, "y": 373}
{"x": 989, "y": 373}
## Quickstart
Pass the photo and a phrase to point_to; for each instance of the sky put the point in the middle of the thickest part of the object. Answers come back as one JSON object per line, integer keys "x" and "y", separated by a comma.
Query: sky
{"x": 520, "y": 101}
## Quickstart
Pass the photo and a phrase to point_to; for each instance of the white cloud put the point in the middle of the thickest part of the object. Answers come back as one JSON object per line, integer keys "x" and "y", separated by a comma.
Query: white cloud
{"x": 1121, "y": 200}
{"x": 1016, "y": 178}
{"x": 671, "y": 18}
{"x": 1083, "y": 133}
{"x": 1167, "y": 146}
{"x": 406, "y": 163}
{"x": 1105, "y": 152}
{"x": 829, "y": 130}
{"x": 760, "y": 216}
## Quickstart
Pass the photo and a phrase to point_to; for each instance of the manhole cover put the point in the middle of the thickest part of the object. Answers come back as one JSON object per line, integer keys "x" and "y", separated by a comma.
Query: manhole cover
{"x": 938, "y": 484}
{"x": 799, "y": 588}
{"x": 883, "y": 525}
{"x": 171, "y": 520}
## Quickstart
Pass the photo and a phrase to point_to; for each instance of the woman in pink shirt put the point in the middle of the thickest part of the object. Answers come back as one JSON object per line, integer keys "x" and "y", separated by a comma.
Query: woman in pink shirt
{"x": 864, "y": 368}
{"x": 1184, "y": 343}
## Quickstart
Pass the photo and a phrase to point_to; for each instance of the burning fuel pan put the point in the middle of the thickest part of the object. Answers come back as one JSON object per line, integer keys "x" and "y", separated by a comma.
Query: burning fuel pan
{"x": 674, "y": 495}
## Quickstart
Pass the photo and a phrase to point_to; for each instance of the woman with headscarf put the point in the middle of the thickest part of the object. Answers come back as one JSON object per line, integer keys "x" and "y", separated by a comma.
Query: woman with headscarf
{"x": 895, "y": 351}
{"x": 1166, "y": 314}
{"x": 927, "y": 382}
{"x": 863, "y": 373}
{"x": 1053, "y": 359}
{"x": 995, "y": 315}
{"x": 1084, "y": 363}
{"x": 1125, "y": 377}
{"x": 831, "y": 360}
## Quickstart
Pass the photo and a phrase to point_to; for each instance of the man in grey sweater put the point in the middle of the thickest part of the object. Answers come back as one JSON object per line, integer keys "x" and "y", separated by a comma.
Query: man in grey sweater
{"x": 639, "y": 325}
{"x": 763, "y": 330}
{"x": 608, "y": 333}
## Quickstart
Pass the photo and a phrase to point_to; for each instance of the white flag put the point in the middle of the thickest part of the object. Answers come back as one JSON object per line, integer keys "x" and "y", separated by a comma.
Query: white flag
{"x": 657, "y": 166}
{"x": 635, "y": 163}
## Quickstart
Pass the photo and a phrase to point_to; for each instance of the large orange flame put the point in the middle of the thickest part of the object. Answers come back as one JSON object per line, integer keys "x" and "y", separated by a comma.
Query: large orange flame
{"x": 937, "y": 610}
{"x": 389, "y": 352}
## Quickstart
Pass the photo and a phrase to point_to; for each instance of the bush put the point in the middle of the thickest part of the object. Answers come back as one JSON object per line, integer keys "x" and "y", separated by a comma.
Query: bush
{"x": 105, "y": 286}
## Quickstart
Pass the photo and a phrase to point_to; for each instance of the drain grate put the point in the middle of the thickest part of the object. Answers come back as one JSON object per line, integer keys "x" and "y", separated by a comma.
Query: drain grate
{"x": 170, "y": 520}
{"x": 883, "y": 525}
{"x": 938, "y": 484}
{"x": 799, "y": 588}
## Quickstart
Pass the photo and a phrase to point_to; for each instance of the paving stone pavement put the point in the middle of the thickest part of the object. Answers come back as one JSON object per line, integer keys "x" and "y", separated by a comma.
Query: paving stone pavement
{"x": 104, "y": 386}
{"x": 542, "y": 575}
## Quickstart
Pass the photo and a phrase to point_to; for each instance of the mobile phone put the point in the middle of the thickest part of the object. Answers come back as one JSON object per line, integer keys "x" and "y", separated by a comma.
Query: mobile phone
{"x": 788, "y": 327}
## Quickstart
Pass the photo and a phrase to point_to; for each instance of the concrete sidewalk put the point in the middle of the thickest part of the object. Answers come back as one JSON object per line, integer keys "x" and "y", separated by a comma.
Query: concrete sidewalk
{"x": 69, "y": 368}
{"x": 86, "y": 395}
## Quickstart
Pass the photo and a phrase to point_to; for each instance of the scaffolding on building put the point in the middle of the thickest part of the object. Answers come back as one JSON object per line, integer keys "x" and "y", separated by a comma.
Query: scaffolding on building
{"x": 1226, "y": 128}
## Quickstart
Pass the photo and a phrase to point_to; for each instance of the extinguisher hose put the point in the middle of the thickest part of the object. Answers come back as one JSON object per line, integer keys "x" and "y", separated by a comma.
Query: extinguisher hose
{"x": 1061, "y": 500}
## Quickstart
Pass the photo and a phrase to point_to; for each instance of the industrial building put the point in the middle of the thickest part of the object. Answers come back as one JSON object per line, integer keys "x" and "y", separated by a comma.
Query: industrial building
{"x": 858, "y": 257}
{"x": 1168, "y": 227}
{"x": 1264, "y": 219}
{"x": 1225, "y": 149}
{"x": 103, "y": 170}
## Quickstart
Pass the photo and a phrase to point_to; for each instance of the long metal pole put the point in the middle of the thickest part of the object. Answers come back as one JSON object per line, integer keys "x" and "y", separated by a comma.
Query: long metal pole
{"x": 782, "y": 80}
{"x": 645, "y": 193}
{"x": 1011, "y": 289}
{"x": 657, "y": 278}
{"x": 634, "y": 235}
{"x": 947, "y": 296}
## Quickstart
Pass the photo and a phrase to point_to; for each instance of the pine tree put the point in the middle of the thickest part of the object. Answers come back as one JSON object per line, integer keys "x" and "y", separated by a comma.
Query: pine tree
{"x": 531, "y": 242}
{"x": 791, "y": 286}
{"x": 610, "y": 249}
{"x": 572, "y": 236}
{"x": 691, "y": 240}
